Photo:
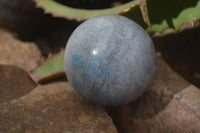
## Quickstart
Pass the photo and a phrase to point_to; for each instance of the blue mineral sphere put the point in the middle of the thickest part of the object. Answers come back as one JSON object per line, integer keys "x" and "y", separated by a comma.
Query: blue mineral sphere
{"x": 110, "y": 60}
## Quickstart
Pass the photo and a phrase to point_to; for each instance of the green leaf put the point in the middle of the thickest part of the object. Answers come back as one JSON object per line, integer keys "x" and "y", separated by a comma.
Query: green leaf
{"x": 163, "y": 14}
{"x": 49, "y": 68}
{"x": 166, "y": 14}
{"x": 144, "y": 10}
{"x": 59, "y": 10}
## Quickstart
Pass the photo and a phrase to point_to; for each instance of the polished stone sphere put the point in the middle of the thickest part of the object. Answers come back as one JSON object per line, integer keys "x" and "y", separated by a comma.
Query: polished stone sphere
{"x": 110, "y": 60}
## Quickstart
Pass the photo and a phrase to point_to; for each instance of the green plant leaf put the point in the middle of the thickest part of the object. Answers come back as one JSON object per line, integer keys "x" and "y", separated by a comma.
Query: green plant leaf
{"x": 163, "y": 14}
{"x": 172, "y": 13}
{"x": 167, "y": 14}
{"x": 144, "y": 10}
{"x": 59, "y": 10}
{"x": 49, "y": 68}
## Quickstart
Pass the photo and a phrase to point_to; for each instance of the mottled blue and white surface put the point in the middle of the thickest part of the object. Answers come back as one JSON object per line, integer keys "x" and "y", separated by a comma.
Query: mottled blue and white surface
{"x": 110, "y": 60}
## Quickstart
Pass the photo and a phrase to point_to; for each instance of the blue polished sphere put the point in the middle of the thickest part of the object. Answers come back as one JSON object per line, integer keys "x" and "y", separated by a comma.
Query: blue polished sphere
{"x": 110, "y": 60}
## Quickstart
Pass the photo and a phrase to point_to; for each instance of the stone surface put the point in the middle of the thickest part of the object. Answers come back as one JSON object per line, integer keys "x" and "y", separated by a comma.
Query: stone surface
{"x": 181, "y": 115}
{"x": 56, "y": 108}
{"x": 14, "y": 83}
{"x": 15, "y": 52}
{"x": 170, "y": 104}
{"x": 110, "y": 60}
